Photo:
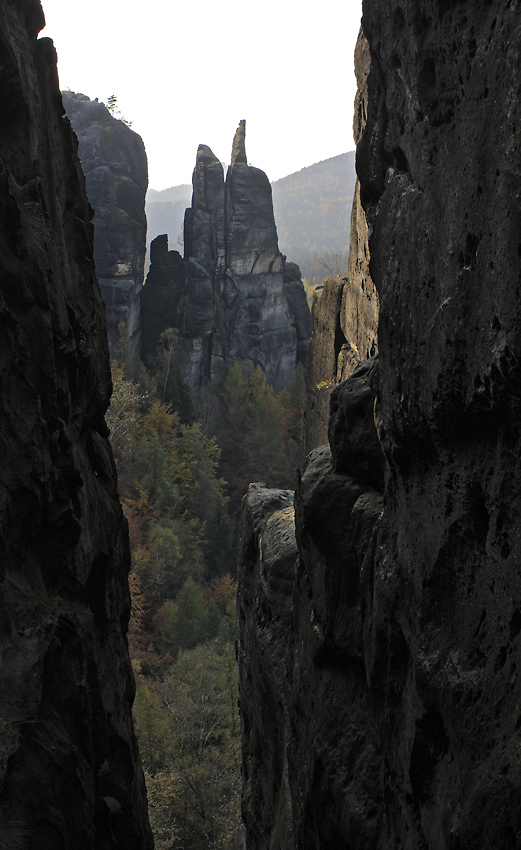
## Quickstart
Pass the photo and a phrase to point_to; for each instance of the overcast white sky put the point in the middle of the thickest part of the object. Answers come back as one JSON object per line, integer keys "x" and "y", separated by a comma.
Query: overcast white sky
{"x": 186, "y": 72}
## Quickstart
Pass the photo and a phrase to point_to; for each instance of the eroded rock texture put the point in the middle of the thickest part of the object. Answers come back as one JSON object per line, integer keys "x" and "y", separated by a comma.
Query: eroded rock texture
{"x": 311, "y": 766}
{"x": 403, "y": 692}
{"x": 236, "y": 297}
{"x": 440, "y": 181}
{"x": 69, "y": 768}
{"x": 345, "y": 309}
{"x": 114, "y": 162}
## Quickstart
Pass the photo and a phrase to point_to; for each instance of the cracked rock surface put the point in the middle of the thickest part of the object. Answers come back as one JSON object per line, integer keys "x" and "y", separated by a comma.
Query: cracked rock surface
{"x": 70, "y": 773}
{"x": 398, "y": 723}
{"x": 114, "y": 162}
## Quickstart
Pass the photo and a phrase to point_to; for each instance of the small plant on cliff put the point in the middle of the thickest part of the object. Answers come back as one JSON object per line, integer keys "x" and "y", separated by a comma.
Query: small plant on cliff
{"x": 113, "y": 108}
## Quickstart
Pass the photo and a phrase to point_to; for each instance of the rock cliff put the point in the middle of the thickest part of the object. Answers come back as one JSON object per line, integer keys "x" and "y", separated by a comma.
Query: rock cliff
{"x": 344, "y": 314}
{"x": 69, "y": 768}
{"x": 114, "y": 162}
{"x": 235, "y": 297}
{"x": 383, "y": 653}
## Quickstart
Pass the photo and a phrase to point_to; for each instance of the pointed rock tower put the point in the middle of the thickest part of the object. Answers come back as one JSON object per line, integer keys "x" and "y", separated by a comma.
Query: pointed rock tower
{"x": 237, "y": 298}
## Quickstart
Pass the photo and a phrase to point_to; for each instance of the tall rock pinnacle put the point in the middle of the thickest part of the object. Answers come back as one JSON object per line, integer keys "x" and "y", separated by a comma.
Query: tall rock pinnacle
{"x": 235, "y": 297}
{"x": 394, "y": 601}
{"x": 70, "y": 773}
{"x": 239, "y": 144}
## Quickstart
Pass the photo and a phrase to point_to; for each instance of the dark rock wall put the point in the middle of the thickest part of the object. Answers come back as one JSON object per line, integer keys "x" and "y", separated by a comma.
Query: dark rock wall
{"x": 163, "y": 299}
{"x": 344, "y": 314}
{"x": 236, "y": 297}
{"x": 114, "y": 162}
{"x": 69, "y": 768}
{"x": 440, "y": 182}
{"x": 269, "y": 557}
{"x": 310, "y": 757}
{"x": 400, "y": 709}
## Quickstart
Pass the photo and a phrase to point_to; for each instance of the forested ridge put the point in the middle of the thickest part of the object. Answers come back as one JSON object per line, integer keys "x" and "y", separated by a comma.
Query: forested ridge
{"x": 183, "y": 470}
{"x": 312, "y": 210}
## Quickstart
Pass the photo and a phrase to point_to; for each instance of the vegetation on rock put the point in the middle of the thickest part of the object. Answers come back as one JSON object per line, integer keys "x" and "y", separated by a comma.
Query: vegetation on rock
{"x": 182, "y": 474}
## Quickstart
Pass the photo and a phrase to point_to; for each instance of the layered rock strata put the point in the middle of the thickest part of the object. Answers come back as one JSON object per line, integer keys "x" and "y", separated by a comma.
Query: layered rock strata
{"x": 344, "y": 313}
{"x": 70, "y": 774}
{"x": 236, "y": 297}
{"x": 400, "y": 711}
{"x": 114, "y": 162}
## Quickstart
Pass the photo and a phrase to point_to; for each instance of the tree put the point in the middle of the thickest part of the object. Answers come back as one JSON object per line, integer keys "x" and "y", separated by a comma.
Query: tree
{"x": 113, "y": 108}
{"x": 157, "y": 478}
{"x": 197, "y": 759}
{"x": 172, "y": 387}
{"x": 191, "y": 609}
{"x": 123, "y": 415}
{"x": 334, "y": 261}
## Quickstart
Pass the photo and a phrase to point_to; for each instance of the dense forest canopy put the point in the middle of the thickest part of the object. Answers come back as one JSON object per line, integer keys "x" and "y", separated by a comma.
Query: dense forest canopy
{"x": 183, "y": 469}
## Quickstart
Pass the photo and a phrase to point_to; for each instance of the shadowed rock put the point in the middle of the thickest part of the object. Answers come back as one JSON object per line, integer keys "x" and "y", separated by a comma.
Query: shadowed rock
{"x": 70, "y": 774}
{"x": 300, "y": 643}
{"x": 398, "y": 726}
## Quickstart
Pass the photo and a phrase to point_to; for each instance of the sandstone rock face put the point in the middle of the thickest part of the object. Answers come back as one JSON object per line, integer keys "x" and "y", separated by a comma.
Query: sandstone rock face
{"x": 345, "y": 309}
{"x": 268, "y": 561}
{"x": 69, "y": 768}
{"x": 238, "y": 298}
{"x": 164, "y": 297}
{"x": 401, "y": 704}
{"x": 114, "y": 162}
{"x": 311, "y": 769}
{"x": 439, "y": 179}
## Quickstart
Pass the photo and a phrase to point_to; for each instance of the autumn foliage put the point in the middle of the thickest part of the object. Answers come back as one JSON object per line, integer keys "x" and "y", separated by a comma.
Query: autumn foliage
{"x": 182, "y": 475}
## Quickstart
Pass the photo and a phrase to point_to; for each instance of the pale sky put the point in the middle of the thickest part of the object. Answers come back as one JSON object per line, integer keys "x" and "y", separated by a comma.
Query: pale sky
{"x": 186, "y": 73}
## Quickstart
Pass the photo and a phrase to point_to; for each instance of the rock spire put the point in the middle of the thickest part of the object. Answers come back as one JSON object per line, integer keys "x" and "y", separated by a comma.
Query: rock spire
{"x": 237, "y": 297}
{"x": 239, "y": 145}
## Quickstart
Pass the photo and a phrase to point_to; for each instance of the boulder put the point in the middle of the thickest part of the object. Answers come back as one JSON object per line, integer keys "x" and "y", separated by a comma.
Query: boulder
{"x": 311, "y": 763}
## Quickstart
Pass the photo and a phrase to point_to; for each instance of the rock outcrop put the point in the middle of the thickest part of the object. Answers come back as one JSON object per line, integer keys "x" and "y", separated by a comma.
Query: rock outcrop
{"x": 310, "y": 757}
{"x": 439, "y": 180}
{"x": 114, "y": 162}
{"x": 235, "y": 296}
{"x": 397, "y": 724}
{"x": 345, "y": 309}
{"x": 70, "y": 774}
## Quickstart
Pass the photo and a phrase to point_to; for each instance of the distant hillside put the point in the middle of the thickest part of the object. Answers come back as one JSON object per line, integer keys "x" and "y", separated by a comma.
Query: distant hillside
{"x": 165, "y": 214}
{"x": 312, "y": 211}
{"x": 169, "y": 196}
